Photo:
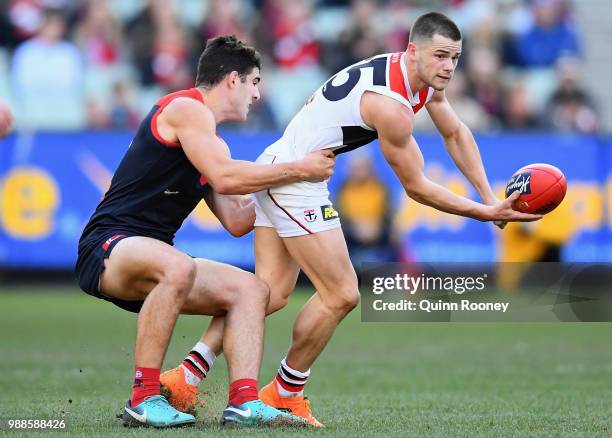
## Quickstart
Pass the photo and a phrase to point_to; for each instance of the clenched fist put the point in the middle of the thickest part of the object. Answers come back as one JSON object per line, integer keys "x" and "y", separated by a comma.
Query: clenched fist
{"x": 318, "y": 165}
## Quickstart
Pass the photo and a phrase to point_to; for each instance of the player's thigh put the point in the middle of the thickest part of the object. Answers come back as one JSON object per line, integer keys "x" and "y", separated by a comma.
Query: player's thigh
{"x": 275, "y": 266}
{"x": 217, "y": 288}
{"x": 137, "y": 264}
{"x": 325, "y": 260}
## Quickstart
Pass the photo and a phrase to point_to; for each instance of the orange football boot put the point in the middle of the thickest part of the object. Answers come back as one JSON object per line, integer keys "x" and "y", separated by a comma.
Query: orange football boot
{"x": 180, "y": 394}
{"x": 297, "y": 405}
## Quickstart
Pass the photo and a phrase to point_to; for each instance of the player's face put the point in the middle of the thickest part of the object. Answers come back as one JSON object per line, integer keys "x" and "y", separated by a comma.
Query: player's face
{"x": 246, "y": 92}
{"x": 436, "y": 60}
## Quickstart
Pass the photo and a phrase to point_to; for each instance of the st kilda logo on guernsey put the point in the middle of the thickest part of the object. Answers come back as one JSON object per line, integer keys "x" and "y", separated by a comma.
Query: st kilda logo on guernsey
{"x": 310, "y": 215}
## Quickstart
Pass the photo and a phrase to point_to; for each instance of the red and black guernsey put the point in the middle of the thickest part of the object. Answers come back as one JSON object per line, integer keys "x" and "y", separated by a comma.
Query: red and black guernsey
{"x": 154, "y": 188}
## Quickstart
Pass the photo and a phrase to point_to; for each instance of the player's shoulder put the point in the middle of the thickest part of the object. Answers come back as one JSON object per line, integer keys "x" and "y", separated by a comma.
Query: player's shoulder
{"x": 382, "y": 55}
{"x": 386, "y": 115}
{"x": 183, "y": 109}
{"x": 382, "y": 106}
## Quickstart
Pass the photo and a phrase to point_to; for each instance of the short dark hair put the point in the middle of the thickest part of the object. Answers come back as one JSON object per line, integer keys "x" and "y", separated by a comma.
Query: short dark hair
{"x": 223, "y": 55}
{"x": 427, "y": 25}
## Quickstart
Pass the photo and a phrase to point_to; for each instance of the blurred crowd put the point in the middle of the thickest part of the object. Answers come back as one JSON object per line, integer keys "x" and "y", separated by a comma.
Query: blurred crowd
{"x": 100, "y": 64}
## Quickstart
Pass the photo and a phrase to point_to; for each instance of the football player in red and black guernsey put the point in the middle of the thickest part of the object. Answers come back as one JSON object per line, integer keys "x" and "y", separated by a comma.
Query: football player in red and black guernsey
{"x": 126, "y": 254}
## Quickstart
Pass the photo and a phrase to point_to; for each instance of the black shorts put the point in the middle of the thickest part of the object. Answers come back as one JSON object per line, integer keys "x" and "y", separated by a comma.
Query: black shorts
{"x": 90, "y": 264}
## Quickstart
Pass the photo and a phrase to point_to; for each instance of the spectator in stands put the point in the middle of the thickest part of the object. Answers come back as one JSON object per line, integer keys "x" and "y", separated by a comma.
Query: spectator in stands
{"x": 286, "y": 35}
{"x": 99, "y": 35}
{"x": 484, "y": 35}
{"x": 399, "y": 21}
{"x": 264, "y": 39}
{"x": 26, "y": 18}
{"x": 47, "y": 77}
{"x": 148, "y": 38}
{"x": 570, "y": 108}
{"x": 170, "y": 54}
{"x": 140, "y": 37}
{"x": 550, "y": 37}
{"x": 123, "y": 113}
{"x": 361, "y": 38}
{"x": 118, "y": 112}
{"x": 98, "y": 115}
{"x": 517, "y": 111}
{"x": 363, "y": 203}
{"x": 295, "y": 42}
{"x": 513, "y": 18}
{"x": 472, "y": 114}
{"x": 224, "y": 18}
{"x": 160, "y": 47}
{"x": 483, "y": 71}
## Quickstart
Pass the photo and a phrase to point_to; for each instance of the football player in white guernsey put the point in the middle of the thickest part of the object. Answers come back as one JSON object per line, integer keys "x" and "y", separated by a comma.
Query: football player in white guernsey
{"x": 296, "y": 226}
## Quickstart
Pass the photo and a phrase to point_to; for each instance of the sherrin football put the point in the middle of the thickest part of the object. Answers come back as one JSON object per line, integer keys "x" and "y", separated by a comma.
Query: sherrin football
{"x": 542, "y": 187}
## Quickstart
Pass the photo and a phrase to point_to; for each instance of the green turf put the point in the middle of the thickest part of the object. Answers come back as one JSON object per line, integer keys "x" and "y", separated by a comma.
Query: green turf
{"x": 64, "y": 353}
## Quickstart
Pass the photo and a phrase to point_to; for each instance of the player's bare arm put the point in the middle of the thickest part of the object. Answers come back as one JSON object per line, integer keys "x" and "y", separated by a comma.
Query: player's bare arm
{"x": 393, "y": 122}
{"x": 235, "y": 212}
{"x": 193, "y": 125}
{"x": 461, "y": 145}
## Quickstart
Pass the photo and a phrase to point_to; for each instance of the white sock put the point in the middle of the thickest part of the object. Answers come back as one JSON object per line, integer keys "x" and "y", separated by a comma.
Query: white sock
{"x": 198, "y": 363}
{"x": 290, "y": 382}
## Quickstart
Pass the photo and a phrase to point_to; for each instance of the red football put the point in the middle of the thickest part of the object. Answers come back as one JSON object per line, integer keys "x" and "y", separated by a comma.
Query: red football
{"x": 542, "y": 188}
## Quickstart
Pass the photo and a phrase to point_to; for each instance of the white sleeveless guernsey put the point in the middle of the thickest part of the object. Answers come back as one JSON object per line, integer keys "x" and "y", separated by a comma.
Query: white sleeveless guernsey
{"x": 331, "y": 119}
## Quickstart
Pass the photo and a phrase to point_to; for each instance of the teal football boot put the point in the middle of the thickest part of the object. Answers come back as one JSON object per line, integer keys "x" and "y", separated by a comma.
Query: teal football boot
{"x": 155, "y": 411}
{"x": 257, "y": 413}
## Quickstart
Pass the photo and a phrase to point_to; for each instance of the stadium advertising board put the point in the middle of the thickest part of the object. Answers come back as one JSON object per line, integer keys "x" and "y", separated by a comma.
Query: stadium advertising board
{"x": 50, "y": 183}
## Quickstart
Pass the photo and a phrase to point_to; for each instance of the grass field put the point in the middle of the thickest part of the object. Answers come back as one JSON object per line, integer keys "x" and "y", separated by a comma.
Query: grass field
{"x": 63, "y": 352}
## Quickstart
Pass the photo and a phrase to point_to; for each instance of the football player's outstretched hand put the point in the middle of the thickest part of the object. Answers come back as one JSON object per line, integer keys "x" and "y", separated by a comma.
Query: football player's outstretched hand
{"x": 504, "y": 211}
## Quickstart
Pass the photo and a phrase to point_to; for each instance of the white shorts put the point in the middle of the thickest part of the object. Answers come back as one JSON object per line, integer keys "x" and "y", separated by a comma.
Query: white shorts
{"x": 294, "y": 209}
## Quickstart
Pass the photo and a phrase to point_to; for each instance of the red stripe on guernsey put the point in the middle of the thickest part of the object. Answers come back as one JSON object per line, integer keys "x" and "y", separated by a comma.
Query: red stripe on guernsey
{"x": 110, "y": 240}
{"x": 422, "y": 98}
{"x": 191, "y": 93}
{"x": 288, "y": 386}
{"x": 396, "y": 76}
{"x": 194, "y": 370}
{"x": 397, "y": 84}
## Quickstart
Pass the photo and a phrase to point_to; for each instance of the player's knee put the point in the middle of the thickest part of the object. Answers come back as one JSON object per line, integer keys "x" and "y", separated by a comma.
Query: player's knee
{"x": 277, "y": 303}
{"x": 252, "y": 293}
{"x": 180, "y": 274}
{"x": 259, "y": 291}
{"x": 344, "y": 300}
{"x": 279, "y": 294}
{"x": 351, "y": 300}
